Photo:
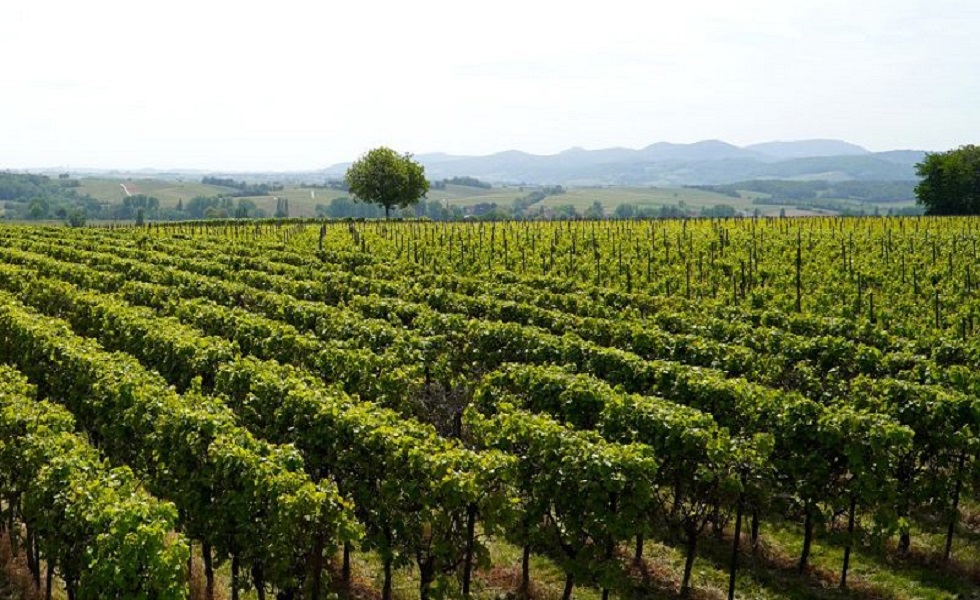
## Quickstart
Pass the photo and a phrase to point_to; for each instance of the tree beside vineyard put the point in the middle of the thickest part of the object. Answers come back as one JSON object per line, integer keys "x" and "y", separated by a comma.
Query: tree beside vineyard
{"x": 950, "y": 182}
{"x": 388, "y": 179}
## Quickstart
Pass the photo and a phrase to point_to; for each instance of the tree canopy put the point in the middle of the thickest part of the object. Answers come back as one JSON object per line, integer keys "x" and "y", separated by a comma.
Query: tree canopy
{"x": 384, "y": 177}
{"x": 950, "y": 183}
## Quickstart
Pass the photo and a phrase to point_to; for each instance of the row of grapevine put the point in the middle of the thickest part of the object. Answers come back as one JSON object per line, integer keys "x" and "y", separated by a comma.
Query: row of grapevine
{"x": 94, "y": 525}
{"x": 125, "y": 324}
{"x": 815, "y": 486}
{"x": 124, "y": 327}
{"x": 390, "y": 329}
{"x": 245, "y": 498}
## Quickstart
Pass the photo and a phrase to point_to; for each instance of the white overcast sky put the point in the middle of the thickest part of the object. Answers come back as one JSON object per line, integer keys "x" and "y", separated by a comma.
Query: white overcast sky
{"x": 290, "y": 84}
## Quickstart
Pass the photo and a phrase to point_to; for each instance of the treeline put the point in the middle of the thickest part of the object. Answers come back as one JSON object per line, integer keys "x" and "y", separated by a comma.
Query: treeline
{"x": 137, "y": 206}
{"x": 524, "y": 202}
{"x": 330, "y": 184}
{"x": 143, "y": 208}
{"x": 15, "y": 186}
{"x": 464, "y": 181}
{"x": 596, "y": 211}
{"x": 39, "y": 197}
{"x": 667, "y": 211}
{"x": 344, "y": 207}
{"x": 242, "y": 188}
{"x": 779, "y": 190}
{"x": 221, "y": 207}
{"x": 843, "y": 208}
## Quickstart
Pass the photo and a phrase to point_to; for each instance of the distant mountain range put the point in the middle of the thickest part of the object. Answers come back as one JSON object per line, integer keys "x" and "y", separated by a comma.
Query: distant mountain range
{"x": 665, "y": 164}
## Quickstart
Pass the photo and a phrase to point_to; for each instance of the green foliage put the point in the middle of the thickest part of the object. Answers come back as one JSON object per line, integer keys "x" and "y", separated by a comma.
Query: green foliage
{"x": 344, "y": 208}
{"x": 282, "y": 208}
{"x": 564, "y": 211}
{"x": 688, "y": 383}
{"x": 625, "y": 211}
{"x": 779, "y": 191}
{"x": 242, "y": 495}
{"x": 247, "y": 209}
{"x": 463, "y": 181}
{"x": 103, "y": 533}
{"x": 602, "y": 493}
{"x": 595, "y": 211}
{"x": 76, "y": 217}
{"x": 386, "y": 178}
{"x": 720, "y": 211}
{"x": 221, "y": 207}
{"x": 40, "y": 197}
{"x": 243, "y": 188}
{"x": 950, "y": 182}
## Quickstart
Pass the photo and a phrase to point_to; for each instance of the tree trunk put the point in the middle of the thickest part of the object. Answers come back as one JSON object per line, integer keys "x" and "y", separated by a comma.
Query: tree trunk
{"x": 850, "y": 542}
{"x": 37, "y": 562}
{"x": 717, "y": 528}
{"x": 457, "y": 424}
{"x": 208, "y": 570}
{"x": 569, "y": 584}
{"x": 525, "y": 588}
{"x": 904, "y": 536}
{"x": 755, "y": 529}
{"x": 610, "y": 545}
{"x": 468, "y": 561}
{"x": 955, "y": 513}
{"x": 71, "y": 584}
{"x": 190, "y": 562}
{"x": 11, "y": 532}
{"x": 345, "y": 566}
{"x": 675, "y": 506}
{"x": 904, "y": 542}
{"x": 317, "y": 566}
{"x": 33, "y": 559}
{"x": 49, "y": 576}
{"x": 426, "y": 576}
{"x": 235, "y": 569}
{"x": 735, "y": 542}
{"x": 386, "y": 589}
{"x": 258, "y": 580}
{"x": 692, "y": 546}
{"x": 29, "y": 548}
{"x": 638, "y": 550}
{"x": 807, "y": 540}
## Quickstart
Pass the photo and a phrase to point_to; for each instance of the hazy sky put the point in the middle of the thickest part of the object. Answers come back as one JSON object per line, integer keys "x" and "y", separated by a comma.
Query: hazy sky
{"x": 289, "y": 84}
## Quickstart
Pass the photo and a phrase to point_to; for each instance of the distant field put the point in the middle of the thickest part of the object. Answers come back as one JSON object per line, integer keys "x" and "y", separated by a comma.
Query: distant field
{"x": 302, "y": 205}
{"x": 611, "y": 197}
{"x": 461, "y": 195}
{"x": 303, "y": 200}
{"x": 169, "y": 192}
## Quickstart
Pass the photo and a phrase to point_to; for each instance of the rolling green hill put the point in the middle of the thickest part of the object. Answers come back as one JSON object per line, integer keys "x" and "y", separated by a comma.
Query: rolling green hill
{"x": 746, "y": 199}
{"x": 168, "y": 192}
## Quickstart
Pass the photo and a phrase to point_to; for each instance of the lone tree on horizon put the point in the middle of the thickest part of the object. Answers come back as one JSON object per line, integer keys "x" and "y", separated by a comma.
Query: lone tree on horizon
{"x": 950, "y": 182}
{"x": 384, "y": 177}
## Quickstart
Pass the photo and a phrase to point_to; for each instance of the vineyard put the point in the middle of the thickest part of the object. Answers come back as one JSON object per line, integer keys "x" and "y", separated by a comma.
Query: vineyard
{"x": 764, "y": 408}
